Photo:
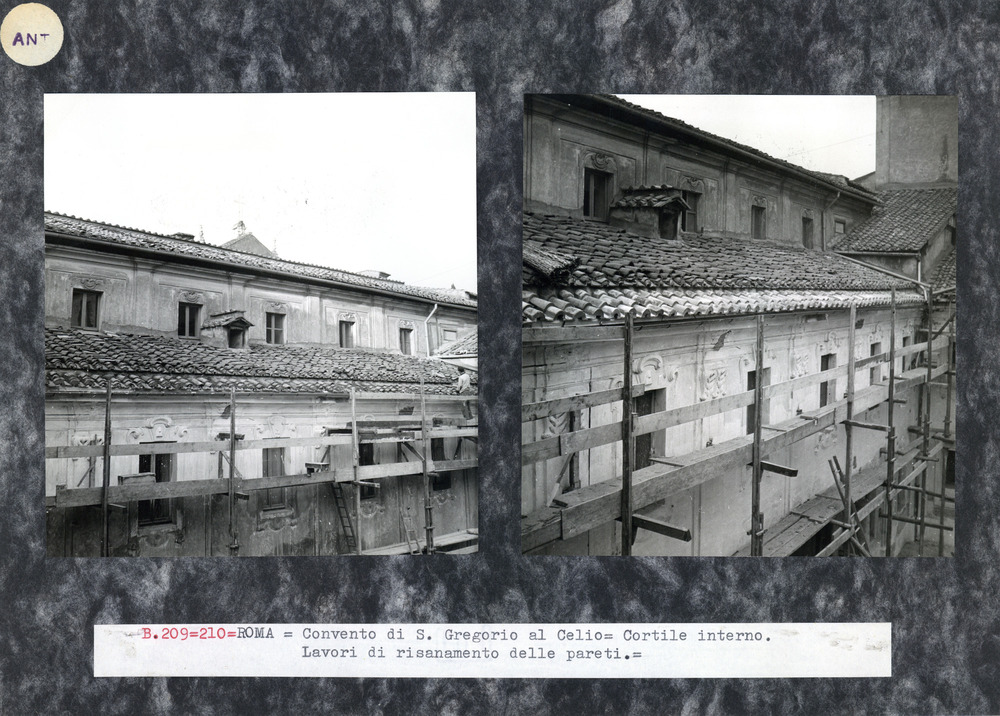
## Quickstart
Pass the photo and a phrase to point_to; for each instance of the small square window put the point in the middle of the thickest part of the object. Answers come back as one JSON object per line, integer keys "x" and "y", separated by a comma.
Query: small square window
{"x": 237, "y": 337}
{"x": 347, "y": 334}
{"x": 839, "y": 227}
{"x": 86, "y": 309}
{"x": 274, "y": 328}
{"x": 758, "y": 222}
{"x": 596, "y": 194}
{"x": 406, "y": 341}
{"x": 450, "y": 335}
{"x": 188, "y": 323}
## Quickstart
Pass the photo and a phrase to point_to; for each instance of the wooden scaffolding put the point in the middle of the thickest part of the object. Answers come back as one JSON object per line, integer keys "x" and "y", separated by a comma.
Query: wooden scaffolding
{"x": 852, "y": 498}
{"x": 414, "y": 433}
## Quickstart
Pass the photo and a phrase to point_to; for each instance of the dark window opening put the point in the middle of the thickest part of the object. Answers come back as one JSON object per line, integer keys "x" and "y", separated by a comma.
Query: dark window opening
{"x": 274, "y": 328}
{"x": 273, "y": 498}
{"x": 827, "y": 389}
{"x": 668, "y": 225}
{"x": 875, "y": 372}
{"x": 643, "y": 405}
{"x": 237, "y": 337}
{"x": 156, "y": 512}
{"x": 596, "y": 194}
{"x": 689, "y": 218}
{"x": 86, "y": 313}
{"x": 765, "y": 410}
{"x": 949, "y": 469}
{"x": 406, "y": 341}
{"x": 366, "y": 456}
{"x": 902, "y": 361}
{"x": 440, "y": 480}
{"x": 758, "y": 222}
{"x": 188, "y": 322}
{"x": 347, "y": 334}
{"x": 807, "y": 233}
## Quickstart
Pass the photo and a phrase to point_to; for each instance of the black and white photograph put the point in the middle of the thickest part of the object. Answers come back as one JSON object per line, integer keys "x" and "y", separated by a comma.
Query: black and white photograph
{"x": 738, "y": 325}
{"x": 260, "y": 325}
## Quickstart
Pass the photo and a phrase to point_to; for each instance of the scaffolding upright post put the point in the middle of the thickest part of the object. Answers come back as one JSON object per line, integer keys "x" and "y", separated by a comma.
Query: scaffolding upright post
{"x": 926, "y": 441}
{"x": 628, "y": 443}
{"x": 106, "y": 477}
{"x": 949, "y": 374}
{"x": 848, "y": 427}
{"x": 890, "y": 467}
{"x": 355, "y": 461}
{"x": 235, "y": 544}
{"x": 756, "y": 518}
{"x": 428, "y": 502}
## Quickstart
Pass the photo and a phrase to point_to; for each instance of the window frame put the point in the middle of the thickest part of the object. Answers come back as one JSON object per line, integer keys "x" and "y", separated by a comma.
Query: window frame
{"x": 272, "y": 498}
{"x": 765, "y": 408}
{"x": 691, "y": 198}
{"x": 186, "y": 327}
{"x": 758, "y": 222}
{"x": 875, "y": 372}
{"x": 346, "y": 328}
{"x": 78, "y": 317}
{"x": 406, "y": 341}
{"x": 274, "y": 328}
{"x": 152, "y": 465}
{"x": 808, "y": 232}
{"x": 366, "y": 456}
{"x": 598, "y": 186}
{"x": 828, "y": 388}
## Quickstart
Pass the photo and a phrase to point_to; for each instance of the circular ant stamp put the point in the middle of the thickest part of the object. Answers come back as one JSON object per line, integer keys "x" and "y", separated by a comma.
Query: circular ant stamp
{"x": 31, "y": 34}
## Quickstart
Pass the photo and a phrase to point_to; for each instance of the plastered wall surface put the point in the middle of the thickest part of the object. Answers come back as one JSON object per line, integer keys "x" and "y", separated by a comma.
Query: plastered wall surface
{"x": 946, "y": 638}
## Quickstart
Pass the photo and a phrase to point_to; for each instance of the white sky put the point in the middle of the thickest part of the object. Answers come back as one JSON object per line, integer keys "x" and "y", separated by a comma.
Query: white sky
{"x": 827, "y": 133}
{"x": 351, "y": 181}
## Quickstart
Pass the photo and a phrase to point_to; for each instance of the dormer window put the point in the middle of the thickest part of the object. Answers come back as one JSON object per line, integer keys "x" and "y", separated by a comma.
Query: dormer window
{"x": 230, "y": 327}
{"x": 596, "y": 194}
{"x": 237, "y": 337}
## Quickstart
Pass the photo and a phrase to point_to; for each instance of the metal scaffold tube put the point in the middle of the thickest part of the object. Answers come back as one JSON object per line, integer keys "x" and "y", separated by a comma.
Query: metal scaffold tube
{"x": 890, "y": 467}
{"x": 756, "y": 518}
{"x": 628, "y": 442}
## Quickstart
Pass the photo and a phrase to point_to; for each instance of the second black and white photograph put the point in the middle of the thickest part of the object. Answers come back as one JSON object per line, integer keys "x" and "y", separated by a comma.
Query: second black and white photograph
{"x": 738, "y": 325}
{"x": 260, "y": 325}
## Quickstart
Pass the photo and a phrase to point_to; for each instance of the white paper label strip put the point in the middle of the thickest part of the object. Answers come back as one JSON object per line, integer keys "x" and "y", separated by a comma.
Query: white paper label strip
{"x": 584, "y": 651}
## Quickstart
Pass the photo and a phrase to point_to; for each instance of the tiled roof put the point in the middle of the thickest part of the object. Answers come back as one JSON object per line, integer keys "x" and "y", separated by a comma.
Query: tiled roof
{"x": 651, "y": 197}
{"x": 946, "y": 277}
{"x": 653, "y": 114}
{"x": 692, "y": 275}
{"x": 463, "y": 346}
{"x": 906, "y": 220}
{"x": 228, "y": 318}
{"x": 85, "y": 229}
{"x": 83, "y": 359}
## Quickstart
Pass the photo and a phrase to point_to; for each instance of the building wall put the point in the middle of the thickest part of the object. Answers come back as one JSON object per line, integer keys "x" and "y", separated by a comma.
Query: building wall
{"x": 686, "y": 363}
{"x": 307, "y": 525}
{"x": 917, "y": 140}
{"x": 142, "y": 296}
{"x": 561, "y": 142}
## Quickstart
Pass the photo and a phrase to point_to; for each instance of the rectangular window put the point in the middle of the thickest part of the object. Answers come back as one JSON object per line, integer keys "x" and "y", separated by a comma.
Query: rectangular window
{"x": 807, "y": 233}
{"x": 450, "y": 335}
{"x": 839, "y": 227}
{"x": 875, "y": 372}
{"x": 596, "y": 194}
{"x": 86, "y": 309}
{"x": 274, "y": 328}
{"x": 758, "y": 222}
{"x": 689, "y": 219}
{"x": 237, "y": 337}
{"x": 827, "y": 389}
{"x": 366, "y": 456}
{"x": 441, "y": 480}
{"x": 765, "y": 411}
{"x": 156, "y": 512}
{"x": 406, "y": 341}
{"x": 187, "y": 320}
{"x": 347, "y": 334}
{"x": 902, "y": 361}
{"x": 273, "y": 498}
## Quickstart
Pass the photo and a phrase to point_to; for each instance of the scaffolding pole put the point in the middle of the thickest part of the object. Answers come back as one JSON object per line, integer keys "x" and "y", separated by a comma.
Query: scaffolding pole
{"x": 355, "y": 461}
{"x": 756, "y": 518}
{"x": 235, "y": 544}
{"x": 848, "y": 427}
{"x": 628, "y": 441}
{"x": 106, "y": 477}
{"x": 890, "y": 466}
{"x": 925, "y": 443}
{"x": 428, "y": 502}
{"x": 949, "y": 375}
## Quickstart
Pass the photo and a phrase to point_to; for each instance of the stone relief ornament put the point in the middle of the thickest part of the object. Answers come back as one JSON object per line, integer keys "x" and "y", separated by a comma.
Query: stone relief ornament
{"x": 556, "y": 425}
{"x": 442, "y": 497}
{"x": 800, "y": 364}
{"x": 715, "y": 383}
{"x": 345, "y": 316}
{"x": 158, "y": 429}
{"x": 647, "y": 369}
{"x": 407, "y": 324}
{"x": 193, "y": 296}
{"x": 279, "y": 427}
{"x": 827, "y": 439}
{"x": 691, "y": 184}
{"x": 92, "y": 283}
{"x": 759, "y": 200}
{"x": 832, "y": 342}
{"x": 276, "y": 306}
{"x": 371, "y": 508}
{"x": 601, "y": 161}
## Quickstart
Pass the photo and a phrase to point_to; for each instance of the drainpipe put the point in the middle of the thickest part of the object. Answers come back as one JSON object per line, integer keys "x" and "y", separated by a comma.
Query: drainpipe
{"x": 427, "y": 330}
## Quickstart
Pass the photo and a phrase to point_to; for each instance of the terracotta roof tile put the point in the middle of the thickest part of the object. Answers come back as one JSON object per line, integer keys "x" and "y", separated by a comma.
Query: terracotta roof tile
{"x": 85, "y": 229}
{"x": 83, "y": 359}
{"x": 905, "y": 221}
{"x": 466, "y": 345}
{"x": 946, "y": 277}
{"x": 620, "y": 272}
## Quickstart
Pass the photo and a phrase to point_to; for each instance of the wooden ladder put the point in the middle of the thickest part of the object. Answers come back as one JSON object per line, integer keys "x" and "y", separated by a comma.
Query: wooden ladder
{"x": 345, "y": 516}
{"x": 412, "y": 543}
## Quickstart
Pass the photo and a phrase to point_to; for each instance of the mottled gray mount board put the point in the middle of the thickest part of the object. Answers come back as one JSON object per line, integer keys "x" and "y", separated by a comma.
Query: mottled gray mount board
{"x": 946, "y": 649}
